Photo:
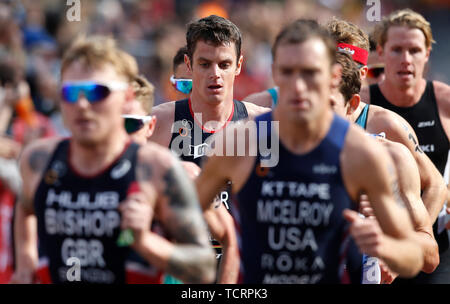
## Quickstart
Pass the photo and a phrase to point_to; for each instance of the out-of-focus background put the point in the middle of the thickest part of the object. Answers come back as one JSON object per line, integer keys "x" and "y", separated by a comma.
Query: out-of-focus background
{"x": 35, "y": 33}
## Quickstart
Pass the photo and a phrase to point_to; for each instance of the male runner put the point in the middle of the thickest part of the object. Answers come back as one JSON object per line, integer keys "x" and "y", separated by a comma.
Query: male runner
{"x": 404, "y": 44}
{"x": 214, "y": 60}
{"x": 290, "y": 217}
{"x": 406, "y": 168}
{"x": 375, "y": 119}
{"x": 77, "y": 186}
{"x": 138, "y": 121}
{"x": 181, "y": 77}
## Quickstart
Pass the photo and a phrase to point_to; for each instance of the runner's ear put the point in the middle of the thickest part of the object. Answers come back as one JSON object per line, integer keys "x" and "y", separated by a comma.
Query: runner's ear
{"x": 151, "y": 127}
{"x": 188, "y": 62}
{"x": 239, "y": 65}
{"x": 353, "y": 104}
{"x": 363, "y": 72}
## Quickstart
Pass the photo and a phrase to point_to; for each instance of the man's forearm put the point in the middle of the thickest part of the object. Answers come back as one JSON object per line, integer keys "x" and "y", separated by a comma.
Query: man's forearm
{"x": 434, "y": 196}
{"x": 403, "y": 256}
{"x": 25, "y": 240}
{"x": 189, "y": 263}
{"x": 229, "y": 264}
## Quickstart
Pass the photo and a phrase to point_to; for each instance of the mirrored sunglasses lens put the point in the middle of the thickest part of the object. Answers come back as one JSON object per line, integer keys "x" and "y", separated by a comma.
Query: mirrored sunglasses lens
{"x": 92, "y": 92}
{"x": 184, "y": 86}
{"x": 96, "y": 92}
{"x": 70, "y": 93}
{"x": 133, "y": 125}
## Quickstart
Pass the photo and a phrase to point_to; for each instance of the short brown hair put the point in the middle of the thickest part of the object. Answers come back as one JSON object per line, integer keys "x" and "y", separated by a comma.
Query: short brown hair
{"x": 350, "y": 79}
{"x": 347, "y": 32}
{"x": 404, "y": 17}
{"x": 144, "y": 92}
{"x": 302, "y": 30}
{"x": 179, "y": 57}
{"x": 213, "y": 29}
{"x": 96, "y": 51}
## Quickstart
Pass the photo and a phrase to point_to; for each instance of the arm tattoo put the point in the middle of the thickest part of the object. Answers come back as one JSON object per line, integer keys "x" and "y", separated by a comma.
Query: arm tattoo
{"x": 178, "y": 188}
{"x": 38, "y": 160}
{"x": 411, "y": 138}
{"x": 416, "y": 144}
{"x": 185, "y": 223}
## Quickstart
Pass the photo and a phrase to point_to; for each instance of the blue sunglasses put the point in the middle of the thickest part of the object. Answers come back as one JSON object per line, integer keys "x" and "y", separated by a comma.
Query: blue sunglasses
{"x": 93, "y": 91}
{"x": 182, "y": 85}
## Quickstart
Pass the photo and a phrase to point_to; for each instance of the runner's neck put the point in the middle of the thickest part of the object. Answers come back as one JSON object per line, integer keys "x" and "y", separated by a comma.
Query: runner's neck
{"x": 89, "y": 160}
{"x": 303, "y": 138}
{"x": 213, "y": 115}
{"x": 402, "y": 97}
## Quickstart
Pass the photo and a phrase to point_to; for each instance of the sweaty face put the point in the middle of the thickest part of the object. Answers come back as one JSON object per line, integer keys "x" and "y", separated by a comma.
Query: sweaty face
{"x": 213, "y": 71}
{"x": 303, "y": 74}
{"x": 405, "y": 56}
{"x": 92, "y": 123}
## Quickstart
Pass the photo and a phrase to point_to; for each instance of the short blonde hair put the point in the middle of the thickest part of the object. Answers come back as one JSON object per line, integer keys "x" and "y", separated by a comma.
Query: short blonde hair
{"x": 347, "y": 32}
{"x": 404, "y": 17}
{"x": 96, "y": 51}
{"x": 144, "y": 92}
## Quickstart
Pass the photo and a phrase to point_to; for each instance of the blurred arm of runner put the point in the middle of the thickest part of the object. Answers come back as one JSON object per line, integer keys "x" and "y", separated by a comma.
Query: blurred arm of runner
{"x": 409, "y": 188}
{"x": 32, "y": 164}
{"x": 25, "y": 242}
{"x": 221, "y": 226}
{"x": 9, "y": 148}
{"x": 431, "y": 182}
{"x": 216, "y": 172}
{"x": 393, "y": 241}
{"x": 387, "y": 276}
{"x": 168, "y": 194}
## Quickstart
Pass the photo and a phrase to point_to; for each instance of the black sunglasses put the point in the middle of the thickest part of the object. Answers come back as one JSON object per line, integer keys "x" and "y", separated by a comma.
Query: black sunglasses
{"x": 375, "y": 71}
{"x": 134, "y": 123}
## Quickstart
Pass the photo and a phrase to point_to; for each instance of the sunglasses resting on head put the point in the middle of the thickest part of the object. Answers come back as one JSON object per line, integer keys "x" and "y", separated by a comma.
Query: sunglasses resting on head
{"x": 182, "y": 85}
{"x": 92, "y": 91}
{"x": 134, "y": 123}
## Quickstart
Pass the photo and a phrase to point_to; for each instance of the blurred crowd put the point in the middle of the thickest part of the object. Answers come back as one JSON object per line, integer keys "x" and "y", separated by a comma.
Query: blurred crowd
{"x": 34, "y": 35}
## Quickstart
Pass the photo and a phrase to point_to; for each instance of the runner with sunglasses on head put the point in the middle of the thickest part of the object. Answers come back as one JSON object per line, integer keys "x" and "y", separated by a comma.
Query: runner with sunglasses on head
{"x": 375, "y": 119}
{"x": 406, "y": 168}
{"x": 214, "y": 60}
{"x": 404, "y": 41}
{"x": 296, "y": 208}
{"x": 86, "y": 189}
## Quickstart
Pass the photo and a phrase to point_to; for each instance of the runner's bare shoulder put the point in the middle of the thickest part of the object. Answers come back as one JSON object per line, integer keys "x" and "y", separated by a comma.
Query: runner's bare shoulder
{"x": 165, "y": 114}
{"x": 254, "y": 110}
{"x": 442, "y": 93}
{"x": 262, "y": 99}
{"x": 33, "y": 161}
